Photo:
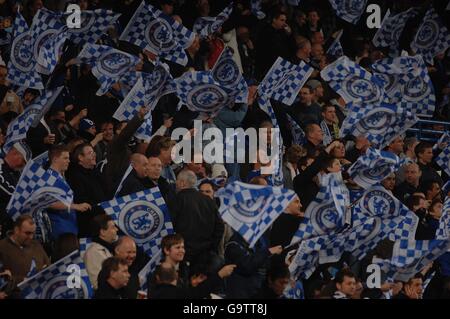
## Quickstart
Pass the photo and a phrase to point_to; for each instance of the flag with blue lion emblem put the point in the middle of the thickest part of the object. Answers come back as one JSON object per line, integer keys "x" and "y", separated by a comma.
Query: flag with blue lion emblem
{"x": 22, "y": 63}
{"x": 65, "y": 279}
{"x": 406, "y": 81}
{"x": 251, "y": 209}
{"x": 226, "y": 72}
{"x": 206, "y": 26}
{"x": 284, "y": 80}
{"x": 374, "y": 166}
{"x": 152, "y": 30}
{"x": 329, "y": 212}
{"x": 349, "y": 10}
{"x": 38, "y": 188}
{"x": 143, "y": 216}
{"x": 18, "y": 128}
{"x": 108, "y": 64}
{"x": 432, "y": 37}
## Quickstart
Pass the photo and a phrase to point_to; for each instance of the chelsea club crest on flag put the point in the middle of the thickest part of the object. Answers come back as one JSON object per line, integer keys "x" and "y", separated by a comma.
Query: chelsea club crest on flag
{"x": 65, "y": 279}
{"x": 349, "y": 10}
{"x": 143, "y": 216}
{"x": 251, "y": 209}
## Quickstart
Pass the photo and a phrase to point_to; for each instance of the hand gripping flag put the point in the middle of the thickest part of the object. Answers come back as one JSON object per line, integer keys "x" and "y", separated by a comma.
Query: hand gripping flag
{"x": 374, "y": 166}
{"x": 158, "y": 33}
{"x": 206, "y": 26}
{"x": 349, "y": 10}
{"x": 388, "y": 35}
{"x": 406, "y": 81}
{"x": 335, "y": 49}
{"x": 284, "y": 80}
{"x": 251, "y": 209}
{"x": 432, "y": 37}
{"x": 108, "y": 64}
{"x": 226, "y": 72}
{"x": 18, "y": 128}
{"x": 143, "y": 216}
{"x": 443, "y": 159}
{"x": 22, "y": 63}
{"x": 65, "y": 279}
{"x": 38, "y": 189}
{"x": 329, "y": 212}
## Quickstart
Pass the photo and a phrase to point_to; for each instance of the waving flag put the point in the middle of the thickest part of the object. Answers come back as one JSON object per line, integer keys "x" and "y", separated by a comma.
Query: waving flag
{"x": 108, "y": 64}
{"x": 256, "y": 9}
{"x": 148, "y": 269}
{"x": 406, "y": 81}
{"x": 444, "y": 139}
{"x": 158, "y": 33}
{"x": 201, "y": 93}
{"x": 51, "y": 51}
{"x": 329, "y": 212}
{"x": 65, "y": 279}
{"x": 388, "y": 35}
{"x": 38, "y": 189}
{"x": 205, "y": 26}
{"x": 22, "y": 64}
{"x": 93, "y": 25}
{"x": 284, "y": 80}
{"x": 374, "y": 166}
{"x": 84, "y": 244}
{"x": 443, "y": 231}
{"x": 432, "y": 37}
{"x": 443, "y": 160}
{"x": 335, "y": 48}
{"x": 143, "y": 216}
{"x": 294, "y": 290}
{"x": 226, "y": 72}
{"x": 298, "y": 135}
{"x": 349, "y": 10}
{"x": 251, "y": 209}
{"x": 18, "y": 128}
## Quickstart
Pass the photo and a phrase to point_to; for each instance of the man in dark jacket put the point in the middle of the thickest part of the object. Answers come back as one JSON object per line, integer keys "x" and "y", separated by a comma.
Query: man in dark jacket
{"x": 135, "y": 181}
{"x": 85, "y": 181}
{"x": 113, "y": 279}
{"x": 155, "y": 179}
{"x": 409, "y": 186}
{"x": 424, "y": 154}
{"x": 196, "y": 218}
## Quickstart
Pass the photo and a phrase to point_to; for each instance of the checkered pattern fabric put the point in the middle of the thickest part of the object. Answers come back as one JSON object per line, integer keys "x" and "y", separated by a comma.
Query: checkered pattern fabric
{"x": 37, "y": 189}
{"x": 444, "y": 139}
{"x": 335, "y": 48}
{"x": 93, "y": 25}
{"x": 84, "y": 245}
{"x": 431, "y": 38}
{"x": 251, "y": 209}
{"x": 256, "y": 9}
{"x": 21, "y": 66}
{"x": 406, "y": 81}
{"x": 18, "y": 128}
{"x": 349, "y": 10}
{"x": 306, "y": 258}
{"x": 51, "y": 51}
{"x": 144, "y": 132}
{"x": 226, "y": 72}
{"x": 122, "y": 210}
{"x": 443, "y": 159}
{"x": 152, "y": 30}
{"x": 206, "y": 26}
{"x": 51, "y": 283}
{"x": 135, "y": 99}
{"x": 284, "y": 80}
{"x": 391, "y": 29}
{"x": 298, "y": 135}
{"x": 108, "y": 64}
{"x": 443, "y": 231}
{"x": 148, "y": 269}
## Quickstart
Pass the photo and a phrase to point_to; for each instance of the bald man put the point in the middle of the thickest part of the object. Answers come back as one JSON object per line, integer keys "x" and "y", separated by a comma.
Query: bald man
{"x": 136, "y": 180}
{"x": 125, "y": 249}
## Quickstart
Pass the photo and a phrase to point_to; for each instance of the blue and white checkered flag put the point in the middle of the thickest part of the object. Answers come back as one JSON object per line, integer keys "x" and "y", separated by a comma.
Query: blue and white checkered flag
{"x": 329, "y": 212}
{"x": 158, "y": 33}
{"x": 201, "y": 93}
{"x": 18, "y": 128}
{"x": 38, "y": 189}
{"x": 108, "y": 64}
{"x": 251, "y": 209}
{"x": 444, "y": 139}
{"x": 374, "y": 166}
{"x": 443, "y": 231}
{"x": 406, "y": 81}
{"x": 22, "y": 63}
{"x": 432, "y": 37}
{"x": 443, "y": 159}
{"x": 143, "y": 216}
{"x": 65, "y": 279}
{"x": 147, "y": 270}
{"x": 256, "y": 9}
{"x": 93, "y": 25}
{"x": 294, "y": 290}
{"x": 284, "y": 80}
{"x": 335, "y": 48}
{"x": 84, "y": 244}
{"x": 205, "y": 26}
{"x": 51, "y": 51}
{"x": 388, "y": 35}
{"x": 352, "y": 82}
{"x": 349, "y": 10}
{"x": 298, "y": 135}
{"x": 226, "y": 72}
